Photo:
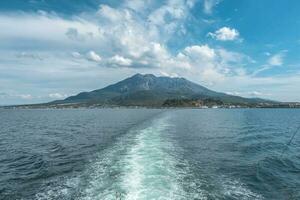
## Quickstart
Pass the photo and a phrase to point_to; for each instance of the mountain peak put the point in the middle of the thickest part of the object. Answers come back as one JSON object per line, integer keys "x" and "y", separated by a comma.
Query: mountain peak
{"x": 148, "y": 89}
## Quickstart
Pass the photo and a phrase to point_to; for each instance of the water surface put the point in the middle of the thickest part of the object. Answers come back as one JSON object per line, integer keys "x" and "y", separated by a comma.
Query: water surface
{"x": 149, "y": 154}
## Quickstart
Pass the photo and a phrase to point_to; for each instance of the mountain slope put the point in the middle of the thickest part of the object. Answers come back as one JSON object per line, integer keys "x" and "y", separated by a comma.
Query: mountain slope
{"x": 149, "y": 90}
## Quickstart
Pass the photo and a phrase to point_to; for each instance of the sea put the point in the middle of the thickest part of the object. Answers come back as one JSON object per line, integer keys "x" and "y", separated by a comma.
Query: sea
{"x": 149, "y": 154}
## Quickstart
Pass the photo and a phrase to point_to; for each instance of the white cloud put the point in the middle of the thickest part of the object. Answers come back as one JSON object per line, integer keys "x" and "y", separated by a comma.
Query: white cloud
{"x": 47, "y": 29}
{"x": 212, "y": 76}
{"x": 93, "y": 56}
{"x": 112, "y": 14}
{"x": 135, "y": 35}
{"x": 225, "y": 34}
{"x": 200, "y": 52}
{"x": 15, "y": 95}
{"x": 169, "y": 19}
{"x": 120, "y": 61}
{"x": 57, "y": 96}
{"x": 276, "y": 60}
{"x": 111, "y": 31}
{"x": 208, "y": 5}
{"x": 137, "y": 5}
{"x": 158, "y": 17}
{"x": 251, "y": 94}
{"x": 208, "y": 64}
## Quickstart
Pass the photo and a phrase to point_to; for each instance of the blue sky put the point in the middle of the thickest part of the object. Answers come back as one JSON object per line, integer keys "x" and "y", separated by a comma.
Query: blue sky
{"x": 51, "y": 49}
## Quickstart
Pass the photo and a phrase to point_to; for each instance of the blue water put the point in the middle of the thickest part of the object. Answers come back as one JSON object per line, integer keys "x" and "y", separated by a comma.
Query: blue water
{"x": 149, "y": 154}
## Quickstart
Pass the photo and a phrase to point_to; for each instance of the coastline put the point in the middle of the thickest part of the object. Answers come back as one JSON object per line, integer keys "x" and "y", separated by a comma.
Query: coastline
{"x": 64, "y": 107}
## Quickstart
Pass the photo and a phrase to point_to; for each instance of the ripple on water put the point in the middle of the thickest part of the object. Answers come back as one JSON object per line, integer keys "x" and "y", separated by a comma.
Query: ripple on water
{"x": 182, "y": 154}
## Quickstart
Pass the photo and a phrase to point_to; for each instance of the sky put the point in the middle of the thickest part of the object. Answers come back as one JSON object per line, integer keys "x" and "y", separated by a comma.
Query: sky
{"x": 51, "y": 49}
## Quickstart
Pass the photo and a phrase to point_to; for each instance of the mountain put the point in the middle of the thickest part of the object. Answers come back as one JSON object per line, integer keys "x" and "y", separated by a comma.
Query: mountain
{"x": 149, "y": 90}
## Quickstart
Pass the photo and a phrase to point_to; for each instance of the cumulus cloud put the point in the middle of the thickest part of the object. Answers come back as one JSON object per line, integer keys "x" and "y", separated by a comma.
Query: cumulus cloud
{"x": 120, "y": 61}
{"x": 209, "y": 64}
{"x": 158, "y": 17}
{"x": 112, "y": 31}
{"x": 200, "y": 52}
{"x": 132, "y": 37}
{"x": 112, "y": 14}
{"x": 225, "y": 34}
{"x": 93, "y": 56}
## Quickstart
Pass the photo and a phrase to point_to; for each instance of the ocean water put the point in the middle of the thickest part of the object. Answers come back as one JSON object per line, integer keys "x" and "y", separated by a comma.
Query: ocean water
{"x": 153, "y": 154}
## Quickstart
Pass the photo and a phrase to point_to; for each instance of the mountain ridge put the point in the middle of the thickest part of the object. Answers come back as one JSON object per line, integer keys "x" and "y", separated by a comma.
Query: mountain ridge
{"x": 150, "y": 90}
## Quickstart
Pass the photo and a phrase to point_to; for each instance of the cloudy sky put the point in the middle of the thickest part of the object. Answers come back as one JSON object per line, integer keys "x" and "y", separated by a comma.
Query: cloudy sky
{"x": 50, "y": 49}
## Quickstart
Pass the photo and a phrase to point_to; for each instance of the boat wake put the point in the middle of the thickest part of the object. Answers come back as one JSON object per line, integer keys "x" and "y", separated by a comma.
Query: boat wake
{"x": 142, "y": 165}
{"x": 145, "y": 163}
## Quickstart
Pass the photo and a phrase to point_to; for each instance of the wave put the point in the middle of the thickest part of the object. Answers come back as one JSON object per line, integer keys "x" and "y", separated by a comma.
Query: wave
{"x": 146, "y": 163}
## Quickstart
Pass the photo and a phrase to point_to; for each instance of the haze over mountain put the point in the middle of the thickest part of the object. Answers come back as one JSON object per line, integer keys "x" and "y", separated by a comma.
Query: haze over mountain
{"x": 149, "y": 90}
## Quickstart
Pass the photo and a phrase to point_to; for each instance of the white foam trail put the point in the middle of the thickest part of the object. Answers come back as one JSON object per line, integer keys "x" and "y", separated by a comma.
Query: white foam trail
{"x": 141, "y": 165}
{"x": 144, "y": 164}
{"x": 104, "y": 175}
{"x": 149, "y": 171}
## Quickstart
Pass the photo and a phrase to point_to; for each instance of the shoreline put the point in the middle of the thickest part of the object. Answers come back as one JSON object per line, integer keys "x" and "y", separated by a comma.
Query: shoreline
{"x": 140, "y": 107}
